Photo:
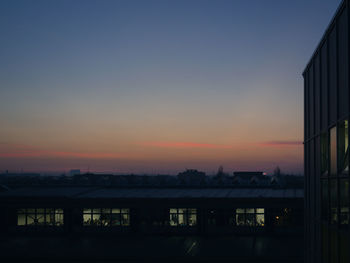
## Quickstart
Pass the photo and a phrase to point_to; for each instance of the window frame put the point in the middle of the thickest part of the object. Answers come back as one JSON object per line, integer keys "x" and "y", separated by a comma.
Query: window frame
{"x": 33, "y": 215}
{"x": 246, "y": 213}
{"x": 100, "y": 214}
{"x": 186, "y": 213}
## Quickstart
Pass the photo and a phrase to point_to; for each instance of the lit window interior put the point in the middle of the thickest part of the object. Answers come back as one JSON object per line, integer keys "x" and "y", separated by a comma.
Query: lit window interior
{"x": 40, "y": 217}
{"x": 106, "y": 217}
{"x": 183, "y": 216}
{"x": 250, "y": 216}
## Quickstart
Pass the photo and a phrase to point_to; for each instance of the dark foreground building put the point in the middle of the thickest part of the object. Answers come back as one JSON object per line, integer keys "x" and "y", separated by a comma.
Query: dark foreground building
{"x": 326, "y": 138}
{"x": 211, "y": 224}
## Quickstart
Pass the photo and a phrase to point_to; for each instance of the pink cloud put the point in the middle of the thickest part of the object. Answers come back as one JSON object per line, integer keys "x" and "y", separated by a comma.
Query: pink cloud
{"x": 26, "y": 151}
{"x": 186, "y": 145}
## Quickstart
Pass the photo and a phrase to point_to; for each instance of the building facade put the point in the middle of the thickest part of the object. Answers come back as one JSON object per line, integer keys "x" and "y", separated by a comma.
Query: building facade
{"x": 326, "y": 144}
{"x": 255, "y": 224}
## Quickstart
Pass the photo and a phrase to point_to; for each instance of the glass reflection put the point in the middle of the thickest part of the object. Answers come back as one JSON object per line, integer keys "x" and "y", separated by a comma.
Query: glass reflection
{"x": 333, "y": 151}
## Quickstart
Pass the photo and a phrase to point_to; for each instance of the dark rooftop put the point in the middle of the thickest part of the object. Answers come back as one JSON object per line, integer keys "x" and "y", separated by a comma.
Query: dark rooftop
{"x": 156, "y": 193}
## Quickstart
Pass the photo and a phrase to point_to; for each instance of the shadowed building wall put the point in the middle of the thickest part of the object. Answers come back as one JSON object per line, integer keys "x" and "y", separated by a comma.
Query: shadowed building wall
{"x": 326, "y": 144}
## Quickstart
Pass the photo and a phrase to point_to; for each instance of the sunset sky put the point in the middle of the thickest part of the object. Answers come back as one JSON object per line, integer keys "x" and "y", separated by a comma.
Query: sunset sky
{"x": 155, "y": 86}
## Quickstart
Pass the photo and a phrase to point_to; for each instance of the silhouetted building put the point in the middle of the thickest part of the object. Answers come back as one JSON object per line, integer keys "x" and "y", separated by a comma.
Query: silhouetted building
{"x": 191, "y": 176}
{"x": 74, "y": 172}
{"x": 254, "y": 224}
{"x": 326, "y": 144}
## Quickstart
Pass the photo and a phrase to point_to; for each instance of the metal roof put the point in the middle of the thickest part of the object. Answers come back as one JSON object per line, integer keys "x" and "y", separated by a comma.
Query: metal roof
{"x": 46, "y": 192}
{"x": 156, "y": 193}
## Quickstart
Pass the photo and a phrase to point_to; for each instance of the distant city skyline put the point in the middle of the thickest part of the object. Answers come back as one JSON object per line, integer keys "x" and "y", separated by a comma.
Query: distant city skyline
{"x": 155, "y": 86}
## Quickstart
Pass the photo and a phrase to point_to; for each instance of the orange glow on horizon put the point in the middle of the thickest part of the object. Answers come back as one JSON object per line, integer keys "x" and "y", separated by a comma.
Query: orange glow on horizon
{"x": 179, "y": 145}
{"x": 155, "y": 156}
{"x": 282, "y": 143}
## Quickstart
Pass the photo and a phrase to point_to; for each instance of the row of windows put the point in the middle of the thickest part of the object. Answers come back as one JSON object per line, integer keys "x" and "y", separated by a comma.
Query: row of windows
{"x": 40, "y": 217}
{"x": 105, "y": 217}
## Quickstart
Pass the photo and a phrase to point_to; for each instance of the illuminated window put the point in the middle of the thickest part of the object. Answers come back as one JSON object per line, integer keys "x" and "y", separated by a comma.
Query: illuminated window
{"x": 105, "y": 217}
{"x": 40, "y": 217}
{"x": 260, "y": 217}
{"x": 333, "y": 151}
{"x": 183, "y": 216}
{"x": 240, "y": 217}
{"x": 250, "y": 216}
{"x": 343, "y": 147}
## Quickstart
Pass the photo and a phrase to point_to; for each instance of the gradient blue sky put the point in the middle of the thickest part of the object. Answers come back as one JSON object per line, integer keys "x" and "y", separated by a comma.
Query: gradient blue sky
{"x": 155, "y": 86}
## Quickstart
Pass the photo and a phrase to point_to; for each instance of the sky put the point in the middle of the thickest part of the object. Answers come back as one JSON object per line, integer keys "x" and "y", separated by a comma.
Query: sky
{"x": 155, "y": 86}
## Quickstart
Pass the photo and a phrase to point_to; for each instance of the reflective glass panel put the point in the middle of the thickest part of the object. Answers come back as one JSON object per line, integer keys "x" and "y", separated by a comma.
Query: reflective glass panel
{"x": 333, "y": 151}
{"x": 344, "y": 201}
{"x": 343, "y": 145}
{"x": 324, "y": 154}
{"x": 325, "y": 199}
{"x": 334, "y": 201}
